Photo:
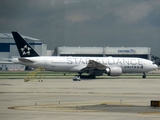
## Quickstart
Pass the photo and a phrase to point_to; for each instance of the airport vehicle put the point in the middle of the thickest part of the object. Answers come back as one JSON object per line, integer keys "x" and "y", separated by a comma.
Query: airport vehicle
{"x": 94, "y": 66}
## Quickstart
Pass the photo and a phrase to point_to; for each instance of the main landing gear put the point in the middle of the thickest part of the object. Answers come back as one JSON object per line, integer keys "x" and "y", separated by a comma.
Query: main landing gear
{"x": 77, "y": 78}
{"x": 144, "y": 75}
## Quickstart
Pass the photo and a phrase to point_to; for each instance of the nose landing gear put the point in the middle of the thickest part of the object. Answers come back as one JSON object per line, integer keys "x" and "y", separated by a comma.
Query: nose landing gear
{"x": 144, "y": 75}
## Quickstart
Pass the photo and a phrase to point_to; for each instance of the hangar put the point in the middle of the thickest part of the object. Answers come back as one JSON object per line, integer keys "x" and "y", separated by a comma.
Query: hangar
{"x": 142, "y": 52}
{"x": 8, "y": 50}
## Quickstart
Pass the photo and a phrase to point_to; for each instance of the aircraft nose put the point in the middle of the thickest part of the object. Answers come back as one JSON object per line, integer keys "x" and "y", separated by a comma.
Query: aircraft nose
{"x": 156, "y": 66}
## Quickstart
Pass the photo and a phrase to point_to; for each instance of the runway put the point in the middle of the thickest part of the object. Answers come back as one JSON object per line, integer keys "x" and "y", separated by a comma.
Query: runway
{"x": 63, "y": 99}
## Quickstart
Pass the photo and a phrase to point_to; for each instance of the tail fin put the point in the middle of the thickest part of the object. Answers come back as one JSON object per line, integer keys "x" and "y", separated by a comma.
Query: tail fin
{"x": 25, "y": 50}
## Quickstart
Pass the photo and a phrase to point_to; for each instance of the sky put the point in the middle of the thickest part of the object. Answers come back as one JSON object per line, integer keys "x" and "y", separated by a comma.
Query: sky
{"x": 85, "y": 23}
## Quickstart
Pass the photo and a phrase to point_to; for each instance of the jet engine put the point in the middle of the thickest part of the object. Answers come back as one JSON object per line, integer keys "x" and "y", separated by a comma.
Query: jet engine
{"x": 114, "y": 71}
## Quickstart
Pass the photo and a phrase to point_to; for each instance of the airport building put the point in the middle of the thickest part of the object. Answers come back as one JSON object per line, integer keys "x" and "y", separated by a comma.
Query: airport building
{"x": 142, "y": 52}
{"x": 8, "y": 50}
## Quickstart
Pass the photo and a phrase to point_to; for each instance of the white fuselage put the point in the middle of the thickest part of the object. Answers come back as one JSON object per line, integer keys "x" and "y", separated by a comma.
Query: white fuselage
{"x": 75, "y": 64}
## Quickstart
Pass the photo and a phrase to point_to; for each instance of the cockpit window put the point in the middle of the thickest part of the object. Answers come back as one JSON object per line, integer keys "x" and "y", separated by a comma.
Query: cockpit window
{"x": 153, "y": 63}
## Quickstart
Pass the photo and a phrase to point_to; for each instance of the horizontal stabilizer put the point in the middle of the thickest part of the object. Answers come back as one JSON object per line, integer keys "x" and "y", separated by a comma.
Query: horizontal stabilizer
{"x": 25, "y": 60}
{"x": 7, "y": 59}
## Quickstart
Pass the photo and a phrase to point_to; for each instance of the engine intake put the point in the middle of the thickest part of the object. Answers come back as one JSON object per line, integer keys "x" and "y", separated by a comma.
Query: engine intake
{"x": 114, "y": 71}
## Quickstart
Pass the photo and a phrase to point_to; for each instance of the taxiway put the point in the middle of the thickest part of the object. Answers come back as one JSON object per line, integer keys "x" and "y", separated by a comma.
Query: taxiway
{"x": 63, "y": 99}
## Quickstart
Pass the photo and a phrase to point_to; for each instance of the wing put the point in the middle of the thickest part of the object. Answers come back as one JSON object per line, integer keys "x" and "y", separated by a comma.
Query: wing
{"x": 93, "y": 65}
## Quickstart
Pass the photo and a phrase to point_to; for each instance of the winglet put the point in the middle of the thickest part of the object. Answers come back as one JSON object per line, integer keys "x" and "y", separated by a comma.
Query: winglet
{"x": 25, "y": 50}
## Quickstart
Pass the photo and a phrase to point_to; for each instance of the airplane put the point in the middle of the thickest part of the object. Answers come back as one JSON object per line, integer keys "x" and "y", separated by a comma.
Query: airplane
{"x": 93, "y": 66}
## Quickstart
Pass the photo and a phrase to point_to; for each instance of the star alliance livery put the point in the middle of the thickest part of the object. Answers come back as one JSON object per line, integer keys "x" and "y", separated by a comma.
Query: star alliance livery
{"x": 93, "y": 66}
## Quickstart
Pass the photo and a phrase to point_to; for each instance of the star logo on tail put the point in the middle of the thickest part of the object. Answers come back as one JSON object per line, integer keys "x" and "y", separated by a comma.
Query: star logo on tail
{"x": 26, "y": 50}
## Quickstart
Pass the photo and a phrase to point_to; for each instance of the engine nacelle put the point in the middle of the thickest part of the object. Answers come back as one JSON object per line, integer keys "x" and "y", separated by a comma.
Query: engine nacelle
{"x": 114, "y": 71}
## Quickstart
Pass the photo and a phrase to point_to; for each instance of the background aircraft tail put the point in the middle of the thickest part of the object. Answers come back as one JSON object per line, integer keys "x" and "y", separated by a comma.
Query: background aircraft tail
{"x": 25, "y": 50}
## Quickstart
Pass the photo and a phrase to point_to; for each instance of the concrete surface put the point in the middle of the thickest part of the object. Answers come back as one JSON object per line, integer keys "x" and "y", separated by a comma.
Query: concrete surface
{"x": 63, "y": 99}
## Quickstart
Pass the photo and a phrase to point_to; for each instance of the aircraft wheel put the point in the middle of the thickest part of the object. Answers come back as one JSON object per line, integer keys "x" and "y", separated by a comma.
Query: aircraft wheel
{"x": 144, "y": 75}
{"x": 76, "y": 78}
